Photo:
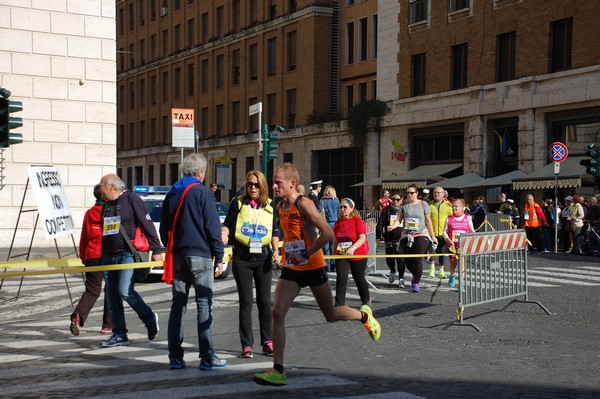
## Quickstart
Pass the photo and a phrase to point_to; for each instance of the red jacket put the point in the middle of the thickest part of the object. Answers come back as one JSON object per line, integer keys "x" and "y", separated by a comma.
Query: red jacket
{"x": 90, "y": 243}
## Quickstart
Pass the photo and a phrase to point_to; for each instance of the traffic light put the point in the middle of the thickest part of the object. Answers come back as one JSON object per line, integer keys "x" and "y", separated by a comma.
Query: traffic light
{"x": 593, "y": 164}
{"x": 272, "y": 139}
{"x": 8, "y": 122}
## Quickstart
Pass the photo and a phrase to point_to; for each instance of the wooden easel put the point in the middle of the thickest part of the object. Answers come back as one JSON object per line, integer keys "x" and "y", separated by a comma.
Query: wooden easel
{"x": 28, "y": 253}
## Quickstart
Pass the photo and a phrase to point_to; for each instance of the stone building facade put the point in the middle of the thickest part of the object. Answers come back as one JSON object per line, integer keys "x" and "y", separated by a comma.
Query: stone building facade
{"x": 58, "y": 59}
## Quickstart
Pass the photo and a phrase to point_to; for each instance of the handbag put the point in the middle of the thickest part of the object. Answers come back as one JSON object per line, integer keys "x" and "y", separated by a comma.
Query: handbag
{"x": 139, "y": 274}
{"x": 140, "y": 241}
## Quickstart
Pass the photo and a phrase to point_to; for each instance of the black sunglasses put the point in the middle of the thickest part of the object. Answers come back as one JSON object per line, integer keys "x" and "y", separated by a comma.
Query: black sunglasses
{"x": 249, "y": 184}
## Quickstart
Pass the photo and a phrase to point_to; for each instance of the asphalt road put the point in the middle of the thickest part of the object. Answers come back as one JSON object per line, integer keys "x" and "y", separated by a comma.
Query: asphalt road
{"x": 521, "y": 352}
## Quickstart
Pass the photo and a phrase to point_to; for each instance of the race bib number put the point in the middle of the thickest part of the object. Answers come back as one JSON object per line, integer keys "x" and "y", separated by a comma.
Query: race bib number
{"x": 343, "y": 247}
{"x": 456, "y": 235}
{"x": 411, "y": 224}
{"x": 112, "y": 224}
{"x": 255, "y": 245}
{"x": 393, "y": 218}
{"x": 295, "y": 247}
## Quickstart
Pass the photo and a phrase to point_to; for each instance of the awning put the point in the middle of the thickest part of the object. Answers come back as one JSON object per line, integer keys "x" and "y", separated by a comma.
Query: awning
{"x": 459, "y": 182}
{"x": 419, "y": 176}
{"x": 498, "y": 181}
{"x": 377, "y": 181}
{"x": 571, "y": 174}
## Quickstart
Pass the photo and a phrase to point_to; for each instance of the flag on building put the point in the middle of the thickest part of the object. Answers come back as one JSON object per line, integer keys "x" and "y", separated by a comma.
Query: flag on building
{"x": 504, "y": 145}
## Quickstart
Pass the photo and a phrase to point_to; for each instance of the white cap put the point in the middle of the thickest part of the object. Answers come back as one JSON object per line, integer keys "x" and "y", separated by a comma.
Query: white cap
{"x": 425, "y": 191}
{"x": 569, "y": 198}
{"x": 510, "y": 201}
{"x": 315, "y": 183}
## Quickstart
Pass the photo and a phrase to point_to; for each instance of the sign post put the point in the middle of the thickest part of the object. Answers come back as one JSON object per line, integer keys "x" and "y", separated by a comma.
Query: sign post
{"x": 253, "y": 110}
{"x": 557, "y": 152}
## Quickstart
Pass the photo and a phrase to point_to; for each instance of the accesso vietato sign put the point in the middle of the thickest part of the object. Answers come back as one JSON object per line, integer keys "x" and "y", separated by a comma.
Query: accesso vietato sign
{"x": 51, "y": 199}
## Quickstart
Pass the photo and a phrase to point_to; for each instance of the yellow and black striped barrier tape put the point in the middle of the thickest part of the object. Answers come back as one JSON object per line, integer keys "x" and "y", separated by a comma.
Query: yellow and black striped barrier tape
{"x": 74, "y": 265}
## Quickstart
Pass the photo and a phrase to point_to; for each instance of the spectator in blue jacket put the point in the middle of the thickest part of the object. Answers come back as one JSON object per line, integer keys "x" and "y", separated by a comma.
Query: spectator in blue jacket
{"x": 196, "y": 242}
{"x": 329, "y": 206}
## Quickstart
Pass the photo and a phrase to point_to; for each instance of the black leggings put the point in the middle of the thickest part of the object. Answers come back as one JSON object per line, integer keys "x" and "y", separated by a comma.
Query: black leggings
{"x": 358, "y": 269}
{"x": 415, "y": 265}
{"x": 391, "y": 248}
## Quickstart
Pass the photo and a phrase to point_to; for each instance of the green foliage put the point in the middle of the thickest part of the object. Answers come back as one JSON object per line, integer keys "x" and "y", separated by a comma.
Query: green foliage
{"x": 364, "y": 116}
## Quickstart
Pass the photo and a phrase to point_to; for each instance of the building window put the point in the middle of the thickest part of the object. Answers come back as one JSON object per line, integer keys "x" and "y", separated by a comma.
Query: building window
{"x": 166, "y": 128}
{"x": 271, "y": 117}
{"x": 152, "y": 47}
{"x": 173, "y": 173}
{"x": 121, "y": 61}
{"x": 374, "y": 90}
{"x": 219, "y": 127}
{"x": 219, "y": 22}
{"x": 362, "y": 92}
{"x": 121, "y": 22}
{"x": 142, "y": 12}
{"x": 152, "y": 10}
{"x": 190, "y": 33}
{"x": 219, "y": 70}
{"x": 418, "y": 74}
{"x": 131, "y": 96}
{"x": 130, "y": 136}
{"x": 142, "y": 90}
{"x": 459, "y": 66}
{"x": 349, "y": 2}
{"x": 418, "y": 10}
{"x": 204, "y": 27}
{"x": 150, "y": 175}
{"x": 165, "y": 43}
{"x": 560, "y": 47}
{"x": 164, "y": 87}
{"x": 235, "y": 117}
{"x": 363, "y": 39}
{"x": 162, "y": 174}
{"x": 272, "y": 56}
{"x": 153, "y": 89}
{"x": 253, "y": 118}
{"x": 349, "y": 97}
{"x": 273, "y": 9}
{"x": 249, "y": 163}
{"x": 253, "y": 62}
{"x": 131, "y": 55}
{"x": 204, "y": 76}
{"x": 293, "y": 5}
{"x": 121, "y": 98}
{"x": 153, "y": 130}
{"x": 177, "y": 37}
{"x": 506, "y": 56}
{"x": 142, "y": 51}
{"x": 253, "y": 11}
{"x": 291, "y": 51}
{"x": 291, "y": 108}
{"x": 190, "y": 79}
{"x": 142, "y": 135}
{"x": 204, "y": 122}
{"x": 176, "y": 5}
{"x": 444, "y": 143}
{"x": 456, "y": 5}
{"x": 374, "y": 37}
{"x": 235, "y": 18}
{"x": 177, "y": 83}
{"x": 130, "y": 24}
{"x": 350, "y": 43}
{"x": 235, "y": 72}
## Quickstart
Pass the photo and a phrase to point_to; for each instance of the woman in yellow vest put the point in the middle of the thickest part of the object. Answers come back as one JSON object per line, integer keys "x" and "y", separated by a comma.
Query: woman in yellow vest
{"x": 250, "y": 226}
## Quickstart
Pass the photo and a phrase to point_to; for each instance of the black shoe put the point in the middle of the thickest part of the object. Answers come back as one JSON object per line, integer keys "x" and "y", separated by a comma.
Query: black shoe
{"x": 177, "y": 364}
{"x": 153, "y": 327}
{"x": 115, "y": 340}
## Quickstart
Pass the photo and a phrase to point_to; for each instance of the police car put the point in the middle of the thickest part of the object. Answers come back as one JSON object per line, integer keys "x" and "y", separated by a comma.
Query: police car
{"x": 153, "y": 197}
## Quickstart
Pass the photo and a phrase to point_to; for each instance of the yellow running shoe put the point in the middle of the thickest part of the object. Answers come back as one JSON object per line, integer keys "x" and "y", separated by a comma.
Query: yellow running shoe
{"x": 270, "y": 377}
{"x": 442, "y": 274}
{"x": 371, "y": 325}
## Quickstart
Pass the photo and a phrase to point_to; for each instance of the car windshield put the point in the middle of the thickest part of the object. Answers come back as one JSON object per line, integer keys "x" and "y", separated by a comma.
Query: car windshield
{"x": 222, "y": 208}
{"x": 154, "y": 207}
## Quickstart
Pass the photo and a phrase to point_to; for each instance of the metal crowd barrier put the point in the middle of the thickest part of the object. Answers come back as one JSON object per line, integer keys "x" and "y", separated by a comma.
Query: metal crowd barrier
{"x": 497, "y": 222}
{"x": 495, "y": 268}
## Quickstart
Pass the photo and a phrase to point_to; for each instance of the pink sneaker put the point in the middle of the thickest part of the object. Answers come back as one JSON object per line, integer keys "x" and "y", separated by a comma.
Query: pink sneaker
{"x": 247, "y": 353}
{"x": 268, "y": 348}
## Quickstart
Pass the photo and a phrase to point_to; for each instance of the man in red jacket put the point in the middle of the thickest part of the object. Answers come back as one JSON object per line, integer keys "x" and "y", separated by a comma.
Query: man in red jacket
{"x": 90, "y": 252}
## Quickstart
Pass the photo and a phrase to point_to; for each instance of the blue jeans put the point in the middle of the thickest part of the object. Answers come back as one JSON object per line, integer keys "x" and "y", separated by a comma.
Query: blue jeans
{"x": 119, "y": 287}
{"x": 199, "y": 272}
{"x": 328, "y": 249}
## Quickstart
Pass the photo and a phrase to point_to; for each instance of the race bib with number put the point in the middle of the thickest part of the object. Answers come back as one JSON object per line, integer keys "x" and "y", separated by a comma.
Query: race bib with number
{"x": 456, "y": 235}
{"x": 393, "y": 218}
{"x": 343, "y": 246}
{"x": 411, "y": 224}
{"x": 111, "y": 226}
{"x": 295, "y": 247}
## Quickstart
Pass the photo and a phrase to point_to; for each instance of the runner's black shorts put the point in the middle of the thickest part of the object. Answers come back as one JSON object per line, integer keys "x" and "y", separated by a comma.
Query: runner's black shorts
{"x": 308, "y": 278}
